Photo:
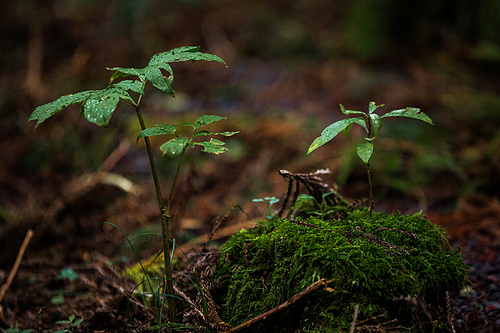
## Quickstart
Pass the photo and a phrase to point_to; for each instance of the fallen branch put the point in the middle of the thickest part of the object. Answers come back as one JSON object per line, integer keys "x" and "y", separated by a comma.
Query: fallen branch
{"x": 321, "y": 284}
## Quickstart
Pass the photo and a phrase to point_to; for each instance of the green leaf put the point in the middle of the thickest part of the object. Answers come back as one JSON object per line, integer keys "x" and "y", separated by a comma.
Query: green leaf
{"x": 172, "y": 148}
{"x": 272, "y": 200}
{"x": 365, "y": 151}
{"x": 78, "y": 322}
{"x": 183, "y": 54}
{"x": 304, "y": 197}
{"x": 372, "y": 107}
{"x": 330, "y": 132}
{"x": 154, "y": 74}
{"x": 134, "y": 85}
{"x": 205, "y": 133}
{"x": 162, "y": 60}
{"x": 409, "y": 112}
{"x": 202, "y": 133}
{"x": 157, "y": 130}
{"x": 344, "y": 111}
{"x": 207, "y": 119}
{"x": 43, "y": 112}
{"x": 187, "y": 123}
{"x": 228, "y": 133}
{"x": 67, "y": 273}
{"x": 213, "y": 146}
{"x": 360, "y": 121}
{"x": 58, "y": 299}
{"x": 376, "y": 123}
{"x": 122, "y": 72}
{"x": 99, "y": 107}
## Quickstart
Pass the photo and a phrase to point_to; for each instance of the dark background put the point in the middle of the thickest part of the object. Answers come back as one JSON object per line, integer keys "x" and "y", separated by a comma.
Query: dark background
{"x": 290, "y": 64}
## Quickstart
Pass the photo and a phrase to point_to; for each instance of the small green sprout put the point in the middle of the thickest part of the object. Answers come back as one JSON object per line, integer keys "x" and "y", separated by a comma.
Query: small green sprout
{"x": 269, "y": 202}
{"x": 67, "y": 273}
{"x": 324, "y": 209}
{"x": 372, "y": 123}
{"x": 71, "y": 322}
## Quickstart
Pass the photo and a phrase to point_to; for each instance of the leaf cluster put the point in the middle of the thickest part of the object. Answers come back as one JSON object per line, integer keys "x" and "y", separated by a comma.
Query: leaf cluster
{"x": 369, "y": 121}
{"x": 174, "y": 147}
{"x": 71, "y": 322}
{"x": 98, "y": 105}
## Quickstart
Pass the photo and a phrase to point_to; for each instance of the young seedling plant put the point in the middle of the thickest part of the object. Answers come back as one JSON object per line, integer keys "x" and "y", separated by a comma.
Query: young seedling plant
{"x": 71, "y": 322}
{"x": 269, "y": 201}
{"x": 98, "y": 106}
{"x": 372, "y": 123}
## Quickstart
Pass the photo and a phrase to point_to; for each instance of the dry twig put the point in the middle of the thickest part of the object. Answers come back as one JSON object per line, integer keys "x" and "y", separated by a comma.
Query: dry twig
{"x": 355, "y": 318}
{"x": 20, "y": 255}
{"x": 321, "y": 284}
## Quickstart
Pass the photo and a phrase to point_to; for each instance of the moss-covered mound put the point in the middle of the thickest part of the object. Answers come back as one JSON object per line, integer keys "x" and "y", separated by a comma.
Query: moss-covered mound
{"x": 372, "y": 261}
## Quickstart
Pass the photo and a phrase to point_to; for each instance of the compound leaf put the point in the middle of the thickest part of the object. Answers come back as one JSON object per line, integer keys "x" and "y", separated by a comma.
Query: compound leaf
{"x": 43, "y": 112}
{"x": 331, "y": 131}
{"x": 365, "y": 151}
{"x": 172, "y": 148}
{"x": 159, "y": 129}
{"x": 409, "y": 112}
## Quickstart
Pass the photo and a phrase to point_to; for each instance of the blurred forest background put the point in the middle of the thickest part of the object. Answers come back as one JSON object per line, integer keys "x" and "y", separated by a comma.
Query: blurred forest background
{"x": 290, "y": 64}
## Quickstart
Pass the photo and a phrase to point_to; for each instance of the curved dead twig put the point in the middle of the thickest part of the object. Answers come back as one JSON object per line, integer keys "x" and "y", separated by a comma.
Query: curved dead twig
{"x": 321, "y": 284}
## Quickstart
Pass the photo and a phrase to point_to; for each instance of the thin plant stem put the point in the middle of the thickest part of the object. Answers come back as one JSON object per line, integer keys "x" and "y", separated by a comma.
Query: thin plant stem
{"x": 372, "y": 198}
{"x": 164, "y": 223}
{"x": 175, "y": 180}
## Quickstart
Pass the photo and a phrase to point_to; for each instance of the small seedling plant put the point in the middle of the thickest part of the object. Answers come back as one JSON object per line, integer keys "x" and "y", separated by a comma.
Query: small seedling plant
{"x": 324, "y": 209}
{"x": 71, "y": 322}
{"x": 372, "y": 123}
{"x": 97, "y": 106}
{"x": 269, "y": 201}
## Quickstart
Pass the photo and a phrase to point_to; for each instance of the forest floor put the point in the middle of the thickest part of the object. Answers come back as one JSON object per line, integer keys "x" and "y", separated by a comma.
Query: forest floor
{"x": 72, "y": 264}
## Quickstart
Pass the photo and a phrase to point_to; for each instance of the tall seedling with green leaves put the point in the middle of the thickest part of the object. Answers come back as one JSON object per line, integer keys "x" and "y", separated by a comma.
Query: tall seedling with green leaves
{"x": 372, "y": 123}
{"x": 98, "y": 105}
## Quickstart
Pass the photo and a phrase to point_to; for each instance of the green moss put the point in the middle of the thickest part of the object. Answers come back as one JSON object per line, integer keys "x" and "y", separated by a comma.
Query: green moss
{"x": 372, "y": 261}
